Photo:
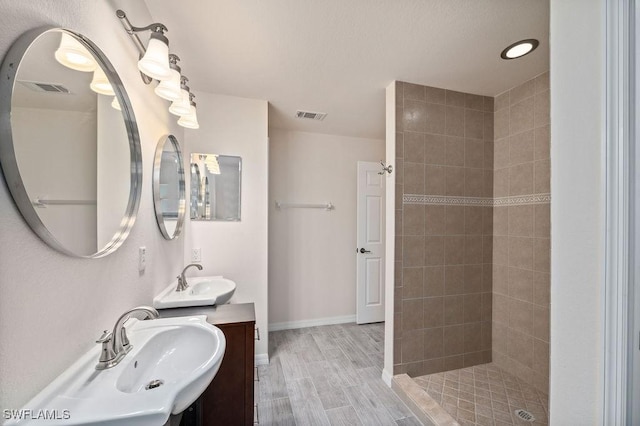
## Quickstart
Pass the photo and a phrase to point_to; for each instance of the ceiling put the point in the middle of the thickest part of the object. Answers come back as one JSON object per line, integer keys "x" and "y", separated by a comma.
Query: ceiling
{"x": 338, "y": 56}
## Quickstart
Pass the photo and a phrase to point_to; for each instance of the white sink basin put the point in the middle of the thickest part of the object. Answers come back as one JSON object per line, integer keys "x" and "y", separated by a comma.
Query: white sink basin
{"x": 202, "y": 291}
{"x": 184, "y": 353}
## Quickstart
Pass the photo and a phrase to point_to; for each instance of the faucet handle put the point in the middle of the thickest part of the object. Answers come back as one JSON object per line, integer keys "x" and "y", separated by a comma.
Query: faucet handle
{"x": 106, "y": 336}
{"x": 123, "y": 337}
{"x": 106, "y": 353}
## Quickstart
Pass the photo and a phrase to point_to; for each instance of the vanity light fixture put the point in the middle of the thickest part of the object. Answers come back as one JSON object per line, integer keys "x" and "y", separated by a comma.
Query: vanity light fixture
{"x": 519, "y": 49}
{"x": 100, "y": 83}
{"x": 190, "y": 120}
{"x": 156, "y": 63}
{"x": 169, "y": 89}
{"x": 72, "y": 54}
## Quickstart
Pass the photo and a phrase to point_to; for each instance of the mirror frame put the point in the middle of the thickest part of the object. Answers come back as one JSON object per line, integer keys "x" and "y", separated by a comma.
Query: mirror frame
{"x": 8, "y": 161}
{"x": 181, "y": 187}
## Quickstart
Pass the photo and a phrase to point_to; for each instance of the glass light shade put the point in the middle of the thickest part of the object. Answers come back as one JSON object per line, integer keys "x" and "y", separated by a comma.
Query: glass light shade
{"x": 190, "y": 121}
{"x": 169, "y": 88}
{"x": 182, "y": 106}
{"x": 72, "y": 54}
{"x": 100, "y": 83}
{"x": 155, "y": 62}
{"x": 115, "y": 104}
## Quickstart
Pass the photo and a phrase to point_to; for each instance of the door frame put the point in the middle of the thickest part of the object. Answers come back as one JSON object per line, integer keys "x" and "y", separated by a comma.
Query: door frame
{"x": 622, "y": 246}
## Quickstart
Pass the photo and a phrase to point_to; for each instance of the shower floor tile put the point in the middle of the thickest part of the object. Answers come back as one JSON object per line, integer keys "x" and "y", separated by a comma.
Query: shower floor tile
{"x": 485, "y": 395}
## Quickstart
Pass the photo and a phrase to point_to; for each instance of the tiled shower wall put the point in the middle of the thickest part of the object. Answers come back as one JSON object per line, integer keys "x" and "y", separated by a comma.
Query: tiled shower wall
{"x": 521, "y": 228}
{"x": 444, "y": 235}
{"x": 472, "y": 230}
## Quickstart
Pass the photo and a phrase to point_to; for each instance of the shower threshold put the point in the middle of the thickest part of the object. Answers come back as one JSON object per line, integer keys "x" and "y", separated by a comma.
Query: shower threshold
{"x": 479, "y": 395}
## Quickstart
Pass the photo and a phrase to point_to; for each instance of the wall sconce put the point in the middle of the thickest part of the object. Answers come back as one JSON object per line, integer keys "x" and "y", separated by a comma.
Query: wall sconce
{"x": 157, "y": 64}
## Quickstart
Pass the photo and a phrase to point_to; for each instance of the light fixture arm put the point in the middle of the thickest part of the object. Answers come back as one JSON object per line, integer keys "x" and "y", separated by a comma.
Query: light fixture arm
{"x": 156, "y": 28}
{"x": 183, "y": 83}
{"x": 173, "y": 63}
{"x": 130, "y": 29}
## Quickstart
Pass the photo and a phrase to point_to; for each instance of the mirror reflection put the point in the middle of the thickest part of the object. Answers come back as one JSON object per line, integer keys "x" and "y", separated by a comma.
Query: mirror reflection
{"x": 215, "y": 187}
{"x": 168, "y": 187}
{"x": 70, "y": 155}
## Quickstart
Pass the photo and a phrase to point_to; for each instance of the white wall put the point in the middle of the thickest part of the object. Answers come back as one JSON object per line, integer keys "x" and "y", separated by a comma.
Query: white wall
{"x": 237, "y": 250}
{"x": 577, "y": 210}
{"x": 312, "y": 261}
{"x": 53, "y": 307}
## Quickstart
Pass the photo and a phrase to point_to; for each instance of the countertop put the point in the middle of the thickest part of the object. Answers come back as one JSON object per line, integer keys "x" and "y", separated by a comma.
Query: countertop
{"x": 223, "y": 314}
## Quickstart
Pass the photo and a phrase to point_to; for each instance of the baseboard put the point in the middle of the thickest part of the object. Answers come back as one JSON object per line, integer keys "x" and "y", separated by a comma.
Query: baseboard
{"x": 262, "y": 359}
{"x": 387, "y": 377}
{"x": 290, "y": 325}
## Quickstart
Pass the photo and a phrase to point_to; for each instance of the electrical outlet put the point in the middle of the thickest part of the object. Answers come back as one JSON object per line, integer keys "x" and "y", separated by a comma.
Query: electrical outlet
{"x": 142, "y": 258}
{"x": 196, "y": 255}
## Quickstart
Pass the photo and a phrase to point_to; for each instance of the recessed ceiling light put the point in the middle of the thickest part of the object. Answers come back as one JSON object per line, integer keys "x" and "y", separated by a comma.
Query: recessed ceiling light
{"x": 519, "y": 49}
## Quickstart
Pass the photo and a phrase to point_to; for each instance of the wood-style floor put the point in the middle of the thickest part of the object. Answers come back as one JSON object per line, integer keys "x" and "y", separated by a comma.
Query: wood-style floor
{"x": 328, "y": 375}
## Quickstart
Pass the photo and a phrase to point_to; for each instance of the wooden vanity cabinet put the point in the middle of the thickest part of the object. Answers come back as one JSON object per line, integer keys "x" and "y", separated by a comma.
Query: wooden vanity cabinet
{"x": 228, "y": 401}
{"x": 229, "y": 398}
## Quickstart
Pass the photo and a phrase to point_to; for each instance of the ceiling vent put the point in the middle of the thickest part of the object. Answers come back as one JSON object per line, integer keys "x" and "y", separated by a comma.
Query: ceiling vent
{"x": 45, "y": 87}
{"x": 319, "y": 116}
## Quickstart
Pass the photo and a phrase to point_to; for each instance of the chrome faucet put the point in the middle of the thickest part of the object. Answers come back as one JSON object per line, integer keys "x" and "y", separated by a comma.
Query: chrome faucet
{"x": 182, "y": 280}
{"x": 115, "y": 344}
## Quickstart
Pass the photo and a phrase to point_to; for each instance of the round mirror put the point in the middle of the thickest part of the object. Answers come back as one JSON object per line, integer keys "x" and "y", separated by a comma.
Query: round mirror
{"x": 168, "y": 187}
{"x": 69, "y": 144}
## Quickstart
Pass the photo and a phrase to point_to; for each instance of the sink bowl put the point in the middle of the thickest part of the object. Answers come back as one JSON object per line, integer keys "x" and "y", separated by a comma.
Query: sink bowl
{"x": 202, "y": 291}
{"x": 172, "y": 361}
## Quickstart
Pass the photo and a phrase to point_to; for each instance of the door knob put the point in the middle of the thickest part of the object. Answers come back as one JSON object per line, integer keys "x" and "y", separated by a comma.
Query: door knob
{"x": 362, "y": 250}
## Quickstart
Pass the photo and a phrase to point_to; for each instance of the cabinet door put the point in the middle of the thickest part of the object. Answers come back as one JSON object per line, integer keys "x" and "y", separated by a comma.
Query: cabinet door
{"x": 226, "y": 400}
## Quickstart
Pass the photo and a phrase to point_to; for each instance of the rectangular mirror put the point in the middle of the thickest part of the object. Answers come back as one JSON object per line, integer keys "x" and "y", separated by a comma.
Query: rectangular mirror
{"x": 215, "y": 187}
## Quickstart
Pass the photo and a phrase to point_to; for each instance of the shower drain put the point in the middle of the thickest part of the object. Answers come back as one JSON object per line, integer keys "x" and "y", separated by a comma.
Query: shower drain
{"x": 525, "y": 415}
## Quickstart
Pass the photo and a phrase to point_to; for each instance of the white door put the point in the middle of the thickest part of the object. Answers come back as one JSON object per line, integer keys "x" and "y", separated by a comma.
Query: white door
{"x": 370, "y": 240}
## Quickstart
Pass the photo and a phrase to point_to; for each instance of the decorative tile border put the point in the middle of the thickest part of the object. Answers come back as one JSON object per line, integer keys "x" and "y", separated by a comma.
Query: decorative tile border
{"x": 476, "y": 201}
{"x": 444, "y": 200}
{"x": 522, "y": 199}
